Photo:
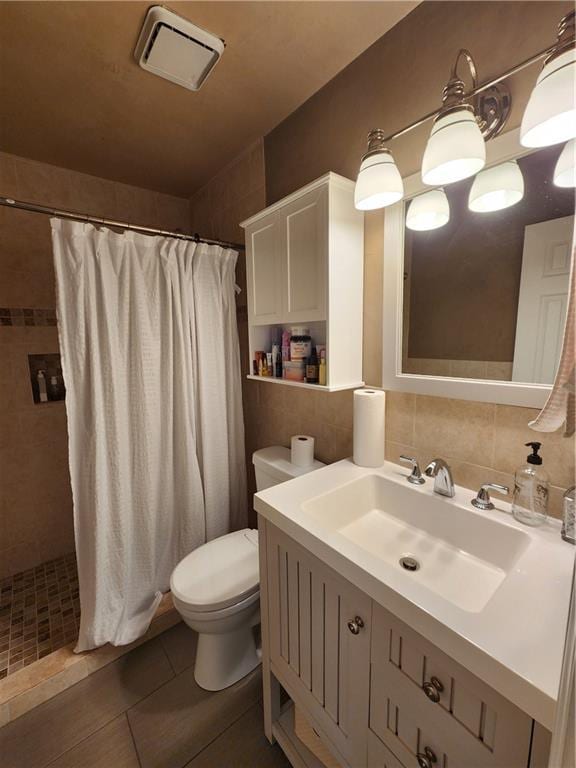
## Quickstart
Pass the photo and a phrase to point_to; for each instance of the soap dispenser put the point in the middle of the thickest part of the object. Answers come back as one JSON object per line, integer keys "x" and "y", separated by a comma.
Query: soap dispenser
{"x": 530, "y": 502}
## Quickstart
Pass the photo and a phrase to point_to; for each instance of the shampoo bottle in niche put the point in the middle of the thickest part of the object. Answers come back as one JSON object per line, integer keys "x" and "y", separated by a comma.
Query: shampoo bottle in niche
{"x": 530, "y": 503}
{"x": 42, "y": 392}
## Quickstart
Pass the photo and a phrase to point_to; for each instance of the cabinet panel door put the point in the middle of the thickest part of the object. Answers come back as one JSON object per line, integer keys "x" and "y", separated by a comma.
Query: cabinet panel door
{"x": 305, "y": 249}
{"x": 322, "y": 664}
{"x": 264, "y": 271}
{"x": 468, "y": 725}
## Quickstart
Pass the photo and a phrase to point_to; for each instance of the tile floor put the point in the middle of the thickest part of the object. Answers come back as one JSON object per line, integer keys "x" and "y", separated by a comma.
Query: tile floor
{"x": 39, "y": 613}
{"x": 145, "y": 711}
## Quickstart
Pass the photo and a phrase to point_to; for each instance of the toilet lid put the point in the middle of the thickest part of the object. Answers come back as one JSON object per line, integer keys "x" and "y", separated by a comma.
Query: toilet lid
{"x": 220, "y": 573}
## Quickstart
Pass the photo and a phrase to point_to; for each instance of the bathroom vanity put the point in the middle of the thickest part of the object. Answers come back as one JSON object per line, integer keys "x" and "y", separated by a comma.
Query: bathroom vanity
{"x": 456, "y": 663}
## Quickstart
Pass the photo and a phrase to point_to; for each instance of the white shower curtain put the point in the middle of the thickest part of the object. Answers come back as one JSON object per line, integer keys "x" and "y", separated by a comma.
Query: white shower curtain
{"x": 151, "y": 363}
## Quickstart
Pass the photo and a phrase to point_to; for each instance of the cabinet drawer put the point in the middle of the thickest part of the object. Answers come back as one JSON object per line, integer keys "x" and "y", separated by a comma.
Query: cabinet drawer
{"x": 323, "y": 665}
{"x": 469, "y": 726}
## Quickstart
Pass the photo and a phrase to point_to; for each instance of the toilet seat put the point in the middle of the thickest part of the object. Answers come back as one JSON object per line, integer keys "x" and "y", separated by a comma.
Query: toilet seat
{"x": 219, "y": 574}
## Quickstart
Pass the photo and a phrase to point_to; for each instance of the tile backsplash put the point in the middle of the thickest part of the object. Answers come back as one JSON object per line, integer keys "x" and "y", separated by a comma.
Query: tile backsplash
{"x": 482, "y": 442}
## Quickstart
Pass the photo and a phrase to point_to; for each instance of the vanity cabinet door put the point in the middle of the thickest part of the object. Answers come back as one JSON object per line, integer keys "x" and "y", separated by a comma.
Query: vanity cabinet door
{"x": 304, "y": 246}
{"x": 423, "y": 700}
{"x": 264, "y": 271}
{"x": 320, "y": 644}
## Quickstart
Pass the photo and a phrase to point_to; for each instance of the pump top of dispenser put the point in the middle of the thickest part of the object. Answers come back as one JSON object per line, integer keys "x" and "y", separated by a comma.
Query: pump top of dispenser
{"x": 534, "y": 458}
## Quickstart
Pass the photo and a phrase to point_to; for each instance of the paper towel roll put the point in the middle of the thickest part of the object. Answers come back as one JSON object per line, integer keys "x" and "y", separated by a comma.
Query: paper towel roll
{"x": 302, "y": 449}
{"x": 369, "y": 408}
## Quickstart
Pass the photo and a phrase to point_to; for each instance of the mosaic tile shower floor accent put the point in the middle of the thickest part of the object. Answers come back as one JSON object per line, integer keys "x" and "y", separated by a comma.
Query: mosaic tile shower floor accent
{"x": 39, "y": 613}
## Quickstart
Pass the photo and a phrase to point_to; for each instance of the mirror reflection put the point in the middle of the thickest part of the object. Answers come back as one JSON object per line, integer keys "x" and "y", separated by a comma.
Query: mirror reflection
{"x": 486, "y": 269}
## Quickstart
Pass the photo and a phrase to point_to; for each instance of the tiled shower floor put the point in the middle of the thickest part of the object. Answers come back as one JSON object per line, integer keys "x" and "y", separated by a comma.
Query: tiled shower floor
{"x": 39, "y": 613}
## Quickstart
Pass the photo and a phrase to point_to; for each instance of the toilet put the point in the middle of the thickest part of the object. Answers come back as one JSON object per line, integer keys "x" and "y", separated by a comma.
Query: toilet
{"x": 216, "y": 588}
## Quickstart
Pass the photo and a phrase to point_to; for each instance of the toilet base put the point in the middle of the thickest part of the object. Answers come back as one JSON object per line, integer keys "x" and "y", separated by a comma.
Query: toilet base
{"x": 223, "y": 659}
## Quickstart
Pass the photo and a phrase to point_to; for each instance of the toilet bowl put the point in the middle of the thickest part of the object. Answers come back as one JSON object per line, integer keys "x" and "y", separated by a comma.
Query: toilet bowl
{"x": 216, "y": 589}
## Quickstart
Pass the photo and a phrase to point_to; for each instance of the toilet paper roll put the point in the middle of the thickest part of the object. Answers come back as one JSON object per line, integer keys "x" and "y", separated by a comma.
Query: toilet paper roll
{"x": 302, "y": 449}
{"x": 369, "y": 409}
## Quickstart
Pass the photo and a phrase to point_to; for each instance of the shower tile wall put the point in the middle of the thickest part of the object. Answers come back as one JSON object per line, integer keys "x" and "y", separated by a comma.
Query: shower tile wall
{"x": 35, "y": 496}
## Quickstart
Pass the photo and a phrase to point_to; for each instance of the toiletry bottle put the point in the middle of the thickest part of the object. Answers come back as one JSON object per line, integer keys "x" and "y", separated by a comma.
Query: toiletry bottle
{"x": 312, "y": 367}
{"x": 286, "y": 346}
{"x": 569, "y": 515}
{"x": 530, "y": 502}
{"x": 322, "y": 368}
{"x": 42, "y": 393}
{"x": 300, "y": 343}
{"x": 54, "y": 388}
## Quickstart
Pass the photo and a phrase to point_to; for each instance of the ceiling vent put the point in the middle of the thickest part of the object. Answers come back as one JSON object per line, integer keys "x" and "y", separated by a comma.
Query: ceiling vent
{"x": 174, "y": 48}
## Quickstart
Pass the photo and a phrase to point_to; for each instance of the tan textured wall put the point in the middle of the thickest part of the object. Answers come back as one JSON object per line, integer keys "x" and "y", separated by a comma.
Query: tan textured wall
{"x": 35, "y": 496}
{"x": 388, "y": 86}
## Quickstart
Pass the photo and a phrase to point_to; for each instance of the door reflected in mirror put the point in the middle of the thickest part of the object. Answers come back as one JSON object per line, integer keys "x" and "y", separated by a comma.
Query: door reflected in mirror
{"x": 485, "y": 293}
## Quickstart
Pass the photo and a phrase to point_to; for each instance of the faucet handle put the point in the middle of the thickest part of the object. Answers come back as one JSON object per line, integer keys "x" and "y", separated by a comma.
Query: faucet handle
{"x": 482, "y": 500}
{"x": 415, "y": 477}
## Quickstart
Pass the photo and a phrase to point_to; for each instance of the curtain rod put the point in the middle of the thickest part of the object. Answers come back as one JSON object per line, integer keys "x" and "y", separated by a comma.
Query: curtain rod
{"x": 74, "y": 216}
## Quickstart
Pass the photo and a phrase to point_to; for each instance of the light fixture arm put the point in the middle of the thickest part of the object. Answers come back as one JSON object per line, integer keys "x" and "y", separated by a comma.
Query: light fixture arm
{"x": 454, "y": 91}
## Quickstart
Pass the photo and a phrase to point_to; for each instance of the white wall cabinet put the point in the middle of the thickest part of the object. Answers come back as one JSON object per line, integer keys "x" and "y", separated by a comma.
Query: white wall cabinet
{"x": 377, "y": 693}
{"x": 304, "y": 266}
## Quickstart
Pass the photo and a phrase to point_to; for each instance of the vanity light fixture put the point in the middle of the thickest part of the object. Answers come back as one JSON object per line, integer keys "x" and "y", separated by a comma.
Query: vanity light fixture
{"x": 455, "y": 149}
{"x": 428, "y": 211}
{"x": 379, "y": 182}
{"x": 496, "y": 188}
{"x": 565, "y": 171}
{"x": 550, "y": 115}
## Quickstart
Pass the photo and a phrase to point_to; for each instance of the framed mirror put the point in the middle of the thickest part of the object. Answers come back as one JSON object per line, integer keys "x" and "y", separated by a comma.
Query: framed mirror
{"x": 476, "y": 280}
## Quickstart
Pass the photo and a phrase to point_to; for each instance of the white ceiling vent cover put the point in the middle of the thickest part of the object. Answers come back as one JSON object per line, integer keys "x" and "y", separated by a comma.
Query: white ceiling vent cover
{"x": 174, "y": 48}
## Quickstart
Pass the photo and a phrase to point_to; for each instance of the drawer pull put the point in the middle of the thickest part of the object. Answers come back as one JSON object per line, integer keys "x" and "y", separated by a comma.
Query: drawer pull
{"x": 356, "y": 625}
{"x": 433, "y": 689}
{"x": 426, "y": 759}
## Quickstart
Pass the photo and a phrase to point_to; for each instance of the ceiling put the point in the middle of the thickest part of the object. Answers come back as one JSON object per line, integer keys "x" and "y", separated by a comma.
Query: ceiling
{"x": 72, "y": 95}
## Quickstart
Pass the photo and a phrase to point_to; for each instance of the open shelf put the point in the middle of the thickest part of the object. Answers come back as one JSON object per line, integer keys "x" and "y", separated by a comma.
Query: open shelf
{"x": 297, "y": 752}
{"x": 304, "y": 385}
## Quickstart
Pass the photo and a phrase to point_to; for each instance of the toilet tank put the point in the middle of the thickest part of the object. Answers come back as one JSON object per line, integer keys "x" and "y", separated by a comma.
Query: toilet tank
{"x": 273, "y": 466}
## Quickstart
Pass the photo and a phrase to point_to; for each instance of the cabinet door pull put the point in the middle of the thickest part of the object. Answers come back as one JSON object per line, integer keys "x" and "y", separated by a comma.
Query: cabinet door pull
{"x": 433, "y": 689}
{"x": 356, "y": 625}
{"x": 426, "y": 758}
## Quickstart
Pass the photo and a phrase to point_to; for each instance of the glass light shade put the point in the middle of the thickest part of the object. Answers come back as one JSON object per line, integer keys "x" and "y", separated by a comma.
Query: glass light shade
{"x": 379, "y": 182}
{"x": 550, "y": 115}
{"x": 455, "y": 149}
{"x": 428, "y": 211}
{"x": 565, "y": 171}
{"x": 496, "y": 188}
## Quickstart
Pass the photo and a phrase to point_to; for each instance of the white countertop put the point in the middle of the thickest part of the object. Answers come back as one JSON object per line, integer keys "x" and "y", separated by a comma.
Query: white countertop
{"x": 514, "y": 644}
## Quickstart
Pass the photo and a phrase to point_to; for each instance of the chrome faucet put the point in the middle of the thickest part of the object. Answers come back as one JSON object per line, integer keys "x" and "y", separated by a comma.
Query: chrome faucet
{"x": 443, "y": 482}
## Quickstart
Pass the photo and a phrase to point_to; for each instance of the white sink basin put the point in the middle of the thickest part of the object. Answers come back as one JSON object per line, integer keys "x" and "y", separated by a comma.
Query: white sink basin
{"x": 461, "y": 556}
{"x": 490, "y": 592}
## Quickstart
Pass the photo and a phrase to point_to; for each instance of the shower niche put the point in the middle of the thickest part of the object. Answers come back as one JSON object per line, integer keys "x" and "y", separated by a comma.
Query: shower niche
{"x": 46, "y": 378}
